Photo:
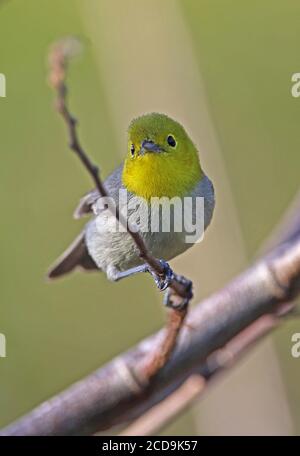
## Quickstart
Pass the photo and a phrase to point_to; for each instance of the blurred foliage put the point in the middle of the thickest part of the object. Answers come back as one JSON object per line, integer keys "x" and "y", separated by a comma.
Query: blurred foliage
{"x": 57, "y": 333}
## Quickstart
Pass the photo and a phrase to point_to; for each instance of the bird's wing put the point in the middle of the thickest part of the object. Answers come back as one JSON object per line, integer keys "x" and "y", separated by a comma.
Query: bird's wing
{"x": 75, "y": 255}
{"x": 112, "y": 184}
{"x": 85, "y": 204}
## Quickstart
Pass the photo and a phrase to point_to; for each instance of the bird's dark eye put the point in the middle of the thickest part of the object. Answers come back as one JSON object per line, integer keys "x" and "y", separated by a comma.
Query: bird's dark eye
{"x": 171, "y": 141}
{"x": 132, "y": 149}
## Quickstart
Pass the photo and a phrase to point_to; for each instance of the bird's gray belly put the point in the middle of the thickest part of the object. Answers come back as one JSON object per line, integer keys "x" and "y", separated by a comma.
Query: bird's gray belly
{"x": 111, "y": 248}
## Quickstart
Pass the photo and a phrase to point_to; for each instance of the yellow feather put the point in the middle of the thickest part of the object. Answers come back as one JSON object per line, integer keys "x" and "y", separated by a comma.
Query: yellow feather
{"x": 172, "y": 172}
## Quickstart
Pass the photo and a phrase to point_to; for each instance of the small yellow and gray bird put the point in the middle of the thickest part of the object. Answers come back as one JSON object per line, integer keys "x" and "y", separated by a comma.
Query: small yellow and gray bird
{"x": 161, "y": 162}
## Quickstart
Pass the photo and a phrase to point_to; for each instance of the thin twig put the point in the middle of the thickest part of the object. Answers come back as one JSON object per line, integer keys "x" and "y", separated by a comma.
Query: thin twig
{"x": 181, "y": 294}
{"x": 161, "y": 356}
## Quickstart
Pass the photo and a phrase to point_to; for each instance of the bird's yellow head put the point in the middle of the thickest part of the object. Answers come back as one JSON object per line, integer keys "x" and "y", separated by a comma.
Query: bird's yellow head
{"x": 161, "y": 159}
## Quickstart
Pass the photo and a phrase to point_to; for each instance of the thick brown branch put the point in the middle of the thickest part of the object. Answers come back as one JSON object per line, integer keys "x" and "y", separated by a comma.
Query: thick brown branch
{"x": 166, "y": 411}
{"x": 162, "y": 414}
{"x": 118, "y": 392}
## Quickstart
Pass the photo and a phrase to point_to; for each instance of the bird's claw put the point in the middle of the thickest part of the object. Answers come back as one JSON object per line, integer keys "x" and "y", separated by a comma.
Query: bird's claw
{"x": 183, "y": 302}
{"x": 170, "y": 299}
{"x": 162, "y": 282}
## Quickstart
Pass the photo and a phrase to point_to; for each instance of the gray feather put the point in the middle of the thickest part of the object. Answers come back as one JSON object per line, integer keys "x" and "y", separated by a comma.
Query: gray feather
{"x": 75, "y": 255}
{"x": 112, "y": 184}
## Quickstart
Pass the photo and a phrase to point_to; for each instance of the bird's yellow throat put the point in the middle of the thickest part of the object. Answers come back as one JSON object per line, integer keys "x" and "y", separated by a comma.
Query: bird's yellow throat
{"x": 161, "y": 175}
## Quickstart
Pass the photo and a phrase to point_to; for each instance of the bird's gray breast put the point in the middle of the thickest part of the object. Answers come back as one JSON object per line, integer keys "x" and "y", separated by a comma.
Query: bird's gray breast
{"x": 176, "y": 224}
{"x": 168, "y": 226}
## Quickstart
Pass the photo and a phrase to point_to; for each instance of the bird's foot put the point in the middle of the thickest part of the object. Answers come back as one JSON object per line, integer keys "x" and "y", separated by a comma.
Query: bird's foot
{"x": 115, "y": 275}
{"x": 163, "y": 281}
{"x": 174, "y": 301}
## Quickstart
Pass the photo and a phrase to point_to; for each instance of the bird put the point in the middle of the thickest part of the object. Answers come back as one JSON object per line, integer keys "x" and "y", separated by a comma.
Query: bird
{"x": 162, "y": 163}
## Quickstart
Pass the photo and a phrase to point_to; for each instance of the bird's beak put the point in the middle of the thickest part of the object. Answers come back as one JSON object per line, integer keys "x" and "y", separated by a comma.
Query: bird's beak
{"x": 149, "y": 146}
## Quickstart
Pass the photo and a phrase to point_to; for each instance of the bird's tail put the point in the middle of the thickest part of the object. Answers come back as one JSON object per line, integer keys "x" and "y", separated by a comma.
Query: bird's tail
{"x": 76, "y": 255}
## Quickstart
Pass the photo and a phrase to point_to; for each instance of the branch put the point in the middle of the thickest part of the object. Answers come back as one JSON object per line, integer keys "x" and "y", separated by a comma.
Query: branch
{"x": 118, "y": 393}
{"x": 168, "y": 409}
{"x": 181, "y": 288}
{"x": 162, "y": 414}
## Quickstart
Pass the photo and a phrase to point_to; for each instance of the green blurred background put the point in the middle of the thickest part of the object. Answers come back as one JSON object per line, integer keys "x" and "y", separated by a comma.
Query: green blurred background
{"x": 223, "y": 68}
